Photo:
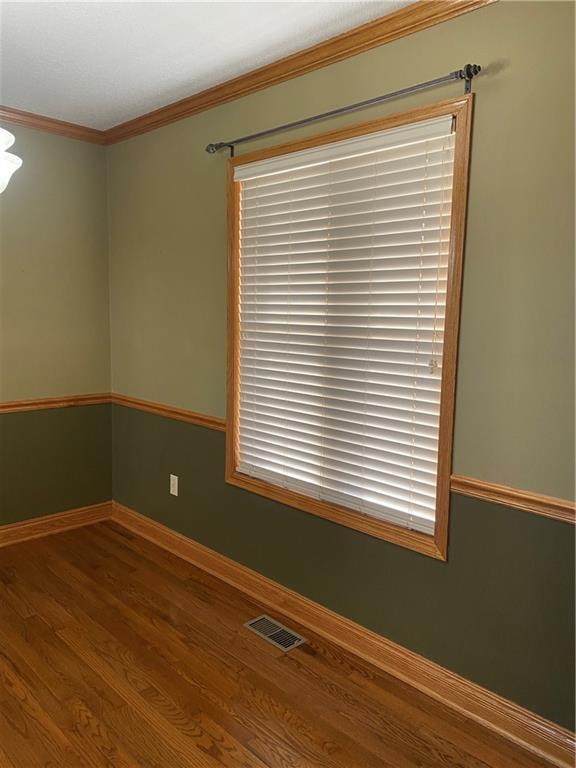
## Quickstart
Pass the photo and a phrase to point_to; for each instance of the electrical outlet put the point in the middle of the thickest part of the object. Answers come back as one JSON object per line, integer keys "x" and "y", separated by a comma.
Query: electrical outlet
{"x": 174, "y": 485}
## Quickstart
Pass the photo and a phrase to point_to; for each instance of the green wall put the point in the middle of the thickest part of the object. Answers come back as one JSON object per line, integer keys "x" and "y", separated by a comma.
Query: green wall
{"x": 54, "y": 326}
{"x": 515, "y": 397}
{"x": 54, "y": 310}
{"x": 499, "y": 612}
{"x": 54, "y": 460}
{"x": 143, "y": 222}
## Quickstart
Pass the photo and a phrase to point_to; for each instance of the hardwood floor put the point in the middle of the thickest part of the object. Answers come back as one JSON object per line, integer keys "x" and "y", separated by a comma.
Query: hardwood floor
{"x": 117, "y": 654}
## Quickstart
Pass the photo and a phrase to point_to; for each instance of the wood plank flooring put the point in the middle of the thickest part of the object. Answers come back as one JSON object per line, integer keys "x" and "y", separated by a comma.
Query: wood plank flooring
{"x": 117, "y": 654}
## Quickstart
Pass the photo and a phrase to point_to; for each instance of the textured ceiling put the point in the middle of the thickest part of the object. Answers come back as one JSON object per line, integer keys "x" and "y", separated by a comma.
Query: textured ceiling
{"x": 101, "y": 63}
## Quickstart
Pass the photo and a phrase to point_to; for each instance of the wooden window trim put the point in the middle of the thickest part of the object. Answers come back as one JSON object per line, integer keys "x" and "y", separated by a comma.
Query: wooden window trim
{"x": 432, "y": 545}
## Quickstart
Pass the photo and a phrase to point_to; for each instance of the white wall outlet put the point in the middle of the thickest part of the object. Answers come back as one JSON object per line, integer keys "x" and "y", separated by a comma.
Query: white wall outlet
{"x": 174, "y": 485}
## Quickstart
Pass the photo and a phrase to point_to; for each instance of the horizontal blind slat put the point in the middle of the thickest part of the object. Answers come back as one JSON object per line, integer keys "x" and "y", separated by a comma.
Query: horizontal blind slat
{"x": 424, "y": 379}
{"x": 358, "y": 147}
{"x": 374, "y": 352}
{"x": 377, "y": 505}
{"x": 400, "y": 280}
{"x": 294, "y": 233}
{"x": 413, "y": 244}
{"x": 399, "y": 410}
{"x": 341, "y": 472}
{"x": 405, "y": 454}
{"x": 348, "y": 453}
{"x": 341, "y": 480}
{"x": 318, "y": 430}
{"x": 392, "y": 381}
{"x": 330, "y": 185}
{"x": 391, "y": 330}
{"x": 331, "y": 179}
{"x": 386, "y": 392}
{"x": 403, "y": 155}
{"x": 387, "y": 209}
{"x": 404, "y": 291}
{"x": 367, "y": 195}
{"x": 417, "y": 366}
{"x": 344, "y": 253}
{"x": 405, "y": 432}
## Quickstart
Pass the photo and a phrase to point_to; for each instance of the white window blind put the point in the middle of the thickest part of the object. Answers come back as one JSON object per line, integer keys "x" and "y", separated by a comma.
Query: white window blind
{"x": 344, "y": 253}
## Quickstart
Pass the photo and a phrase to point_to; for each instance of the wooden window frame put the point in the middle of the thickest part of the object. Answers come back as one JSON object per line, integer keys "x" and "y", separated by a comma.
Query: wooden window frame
{"x": 435, "y": 545}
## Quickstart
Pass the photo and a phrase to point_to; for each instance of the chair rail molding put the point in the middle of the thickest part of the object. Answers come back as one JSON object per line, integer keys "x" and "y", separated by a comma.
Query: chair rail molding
{"x": 563, "y": 510}
{"x": 529, "y": 501}
{"x": 44, "y": 403}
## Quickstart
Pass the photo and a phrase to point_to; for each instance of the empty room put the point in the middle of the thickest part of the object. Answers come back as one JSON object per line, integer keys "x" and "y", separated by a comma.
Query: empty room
{"x": 287, "y": 384}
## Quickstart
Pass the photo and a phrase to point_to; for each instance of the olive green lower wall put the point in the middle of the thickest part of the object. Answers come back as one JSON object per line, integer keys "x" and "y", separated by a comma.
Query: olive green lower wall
{"x": 500, "y": 612}
{"x": 54, "y": 460}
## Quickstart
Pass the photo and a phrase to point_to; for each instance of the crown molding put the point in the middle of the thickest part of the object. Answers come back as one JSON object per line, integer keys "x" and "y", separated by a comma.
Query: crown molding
{"x": 51, "y": 125}
{"x": 412, "y": 18}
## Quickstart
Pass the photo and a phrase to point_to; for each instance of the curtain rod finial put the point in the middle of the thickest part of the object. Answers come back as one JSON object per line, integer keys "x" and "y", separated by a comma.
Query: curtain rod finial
{"x": 469, "y": 71}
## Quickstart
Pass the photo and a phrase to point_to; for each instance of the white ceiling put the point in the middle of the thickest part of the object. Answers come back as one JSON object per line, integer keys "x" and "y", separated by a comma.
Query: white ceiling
{"x": 101, "y": 63}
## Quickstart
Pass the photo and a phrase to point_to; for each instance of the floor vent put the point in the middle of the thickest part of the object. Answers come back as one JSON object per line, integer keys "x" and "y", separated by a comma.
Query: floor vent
{"x": 275, "y": 633}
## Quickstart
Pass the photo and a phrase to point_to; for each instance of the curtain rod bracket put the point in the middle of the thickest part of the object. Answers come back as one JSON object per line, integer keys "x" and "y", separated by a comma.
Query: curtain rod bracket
{"x": 213, "y": 148}
{"x": 466, "y": 73}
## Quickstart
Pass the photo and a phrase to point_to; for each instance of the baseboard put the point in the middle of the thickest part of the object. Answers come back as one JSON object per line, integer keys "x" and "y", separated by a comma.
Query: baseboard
{"x": 520, "y": 726}
{"x": 526, "y": 729}
{"x": 48, "y": 524}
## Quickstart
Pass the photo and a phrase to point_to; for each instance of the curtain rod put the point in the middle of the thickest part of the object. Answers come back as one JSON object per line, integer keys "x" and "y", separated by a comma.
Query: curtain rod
{"x": 467, "y": 73}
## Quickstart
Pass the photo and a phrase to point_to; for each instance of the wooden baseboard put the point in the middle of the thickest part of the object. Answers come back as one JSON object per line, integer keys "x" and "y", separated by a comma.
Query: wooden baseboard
{"x": 62, "y": 521}
{"x": 526, "y": 729}
{"x": 530, "y": 731}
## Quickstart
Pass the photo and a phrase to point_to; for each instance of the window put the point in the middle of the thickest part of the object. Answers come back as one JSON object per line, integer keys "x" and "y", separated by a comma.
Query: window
{"x": 345, "y": 276}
